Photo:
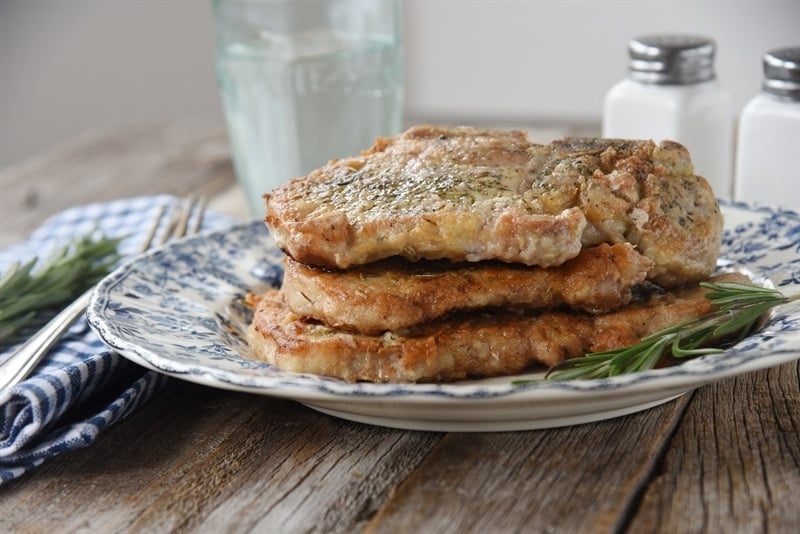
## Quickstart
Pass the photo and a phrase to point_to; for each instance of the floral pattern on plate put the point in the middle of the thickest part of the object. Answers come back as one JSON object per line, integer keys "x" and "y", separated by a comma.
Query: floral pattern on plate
{"x": 179, "y": 310}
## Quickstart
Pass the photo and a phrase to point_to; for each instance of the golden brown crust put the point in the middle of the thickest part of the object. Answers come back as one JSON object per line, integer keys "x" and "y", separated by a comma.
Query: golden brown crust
{"x": 466, "y": 194}
{"x": 394, "y": 294}
{"x": 489, "y": 343}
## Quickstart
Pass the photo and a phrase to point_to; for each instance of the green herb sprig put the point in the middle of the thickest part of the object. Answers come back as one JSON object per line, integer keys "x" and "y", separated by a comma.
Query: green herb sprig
{"x": 739, "y": 307}
{"x": 30, "y": 293}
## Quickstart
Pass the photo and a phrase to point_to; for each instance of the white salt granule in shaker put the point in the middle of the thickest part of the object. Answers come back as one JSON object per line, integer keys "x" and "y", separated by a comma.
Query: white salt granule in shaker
{"x": 768, "y": 147}
{"x": 672, "y": 93}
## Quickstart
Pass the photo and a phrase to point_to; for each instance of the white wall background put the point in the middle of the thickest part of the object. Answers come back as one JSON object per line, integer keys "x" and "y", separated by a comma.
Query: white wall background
{"x": 67, "y": 66}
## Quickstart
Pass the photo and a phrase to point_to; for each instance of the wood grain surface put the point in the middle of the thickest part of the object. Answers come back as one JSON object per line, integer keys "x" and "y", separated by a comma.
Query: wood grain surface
{"x": 725, "y": 458}
{"x": 179, "y": 158}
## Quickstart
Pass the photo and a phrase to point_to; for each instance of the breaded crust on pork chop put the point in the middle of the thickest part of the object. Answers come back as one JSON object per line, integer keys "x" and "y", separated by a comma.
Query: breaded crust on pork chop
{"x": 478, "y": 344}
{"x": 393, "y": 294}
{"x": 467, "y": 194}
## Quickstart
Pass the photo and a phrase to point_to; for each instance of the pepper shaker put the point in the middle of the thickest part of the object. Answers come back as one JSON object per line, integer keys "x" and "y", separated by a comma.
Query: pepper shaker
{"x": 671, "y": 93}
{"x": 768, "y": 146}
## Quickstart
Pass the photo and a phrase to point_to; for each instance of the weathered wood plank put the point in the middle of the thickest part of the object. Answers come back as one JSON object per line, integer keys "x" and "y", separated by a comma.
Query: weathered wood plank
{"x": 198, "y": 459}
{"x": 734, "y": 464}
{"x": 178, "y": 158}
{"x": 204, "y": 459}
{"x": 576, "y": 479}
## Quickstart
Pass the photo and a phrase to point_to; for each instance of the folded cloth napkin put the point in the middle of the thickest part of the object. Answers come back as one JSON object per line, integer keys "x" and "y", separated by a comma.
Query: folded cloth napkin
{"x": 81, "y": 388}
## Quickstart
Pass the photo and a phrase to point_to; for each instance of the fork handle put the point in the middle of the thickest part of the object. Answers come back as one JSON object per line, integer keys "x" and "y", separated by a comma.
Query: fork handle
{"x": 20, "y": 364}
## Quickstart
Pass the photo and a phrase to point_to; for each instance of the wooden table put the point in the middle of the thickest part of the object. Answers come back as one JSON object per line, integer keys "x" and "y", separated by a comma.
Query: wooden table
{"x": 725, "y": 458}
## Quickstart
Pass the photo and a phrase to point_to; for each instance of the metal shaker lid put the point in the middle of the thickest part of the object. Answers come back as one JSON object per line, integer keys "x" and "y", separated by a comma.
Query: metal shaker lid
{"x": 782, "y": 72}
{"x": 676, "y": 59}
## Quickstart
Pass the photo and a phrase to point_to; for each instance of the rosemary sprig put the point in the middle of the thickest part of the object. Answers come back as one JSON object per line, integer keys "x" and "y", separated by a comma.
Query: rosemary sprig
{"x": 739, "y": 307}
{"x": 29, "y": 293}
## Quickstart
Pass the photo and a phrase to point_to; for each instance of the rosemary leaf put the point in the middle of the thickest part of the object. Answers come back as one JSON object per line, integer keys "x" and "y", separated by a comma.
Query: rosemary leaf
{"x": 32, "y": 291}
{"x": 739, "y": 308}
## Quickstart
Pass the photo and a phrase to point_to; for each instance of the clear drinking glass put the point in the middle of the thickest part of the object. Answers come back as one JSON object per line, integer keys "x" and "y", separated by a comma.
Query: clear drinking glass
{"x": 305, "y": 81}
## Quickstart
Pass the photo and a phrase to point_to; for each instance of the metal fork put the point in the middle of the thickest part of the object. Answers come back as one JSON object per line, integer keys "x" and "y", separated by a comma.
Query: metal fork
{"x": 25, "y": 359}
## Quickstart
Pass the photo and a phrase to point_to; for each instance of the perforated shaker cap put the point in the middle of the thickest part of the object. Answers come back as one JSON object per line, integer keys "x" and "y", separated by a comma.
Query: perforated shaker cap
{"x": 782, "y": 73}
{"x": 675, "y": 59}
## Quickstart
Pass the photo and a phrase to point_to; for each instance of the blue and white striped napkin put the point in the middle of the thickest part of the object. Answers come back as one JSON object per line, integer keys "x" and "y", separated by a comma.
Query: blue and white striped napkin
{"x": 81, "y": 388}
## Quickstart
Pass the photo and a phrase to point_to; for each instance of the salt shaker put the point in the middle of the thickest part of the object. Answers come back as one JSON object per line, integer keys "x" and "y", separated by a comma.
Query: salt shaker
{"x": 672, "y": 93}
{"x": 768, "y": 146}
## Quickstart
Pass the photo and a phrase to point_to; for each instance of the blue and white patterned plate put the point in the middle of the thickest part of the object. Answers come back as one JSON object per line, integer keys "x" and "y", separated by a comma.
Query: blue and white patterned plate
{"x": 177, "y": 310}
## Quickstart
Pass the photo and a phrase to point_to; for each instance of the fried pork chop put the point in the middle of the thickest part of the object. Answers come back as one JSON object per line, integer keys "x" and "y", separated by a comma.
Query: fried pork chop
{"x": 393, "y": 294}
{"x": 467, "y": 194}
{"x": 478, "y": 344}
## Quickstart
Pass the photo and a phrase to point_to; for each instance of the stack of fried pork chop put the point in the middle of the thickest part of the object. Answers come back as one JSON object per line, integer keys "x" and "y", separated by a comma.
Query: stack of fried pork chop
{"x": 447, "y": 253}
